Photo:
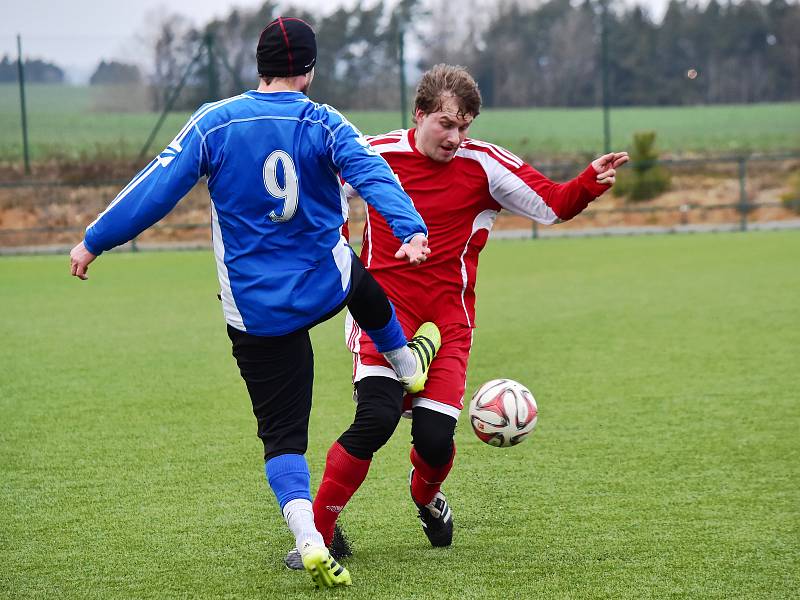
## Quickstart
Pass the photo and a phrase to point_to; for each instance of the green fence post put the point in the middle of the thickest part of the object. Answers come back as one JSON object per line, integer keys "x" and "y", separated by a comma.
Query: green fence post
{"x": 743, "y": 202}
{"x": 23, "y": 110}
{"x": 535, "y": 230}
{"x": 402, "y": 59}
{"x": 604, "y": 70}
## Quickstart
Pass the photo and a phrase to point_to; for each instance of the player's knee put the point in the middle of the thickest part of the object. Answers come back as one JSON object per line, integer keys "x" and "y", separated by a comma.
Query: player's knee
{"x": 436, "y": 450}
{"x": 377, "y": 414}
{"x": 432, "y": 433}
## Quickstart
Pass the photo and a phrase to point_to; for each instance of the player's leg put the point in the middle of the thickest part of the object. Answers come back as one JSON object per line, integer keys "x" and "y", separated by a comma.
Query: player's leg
{"x": 432, "y": 455}
{"x": 371, "y": 309}
{"x": 435, "y": 415}
{"x": 279, "y": 373}
{"x": 378, "y": 410}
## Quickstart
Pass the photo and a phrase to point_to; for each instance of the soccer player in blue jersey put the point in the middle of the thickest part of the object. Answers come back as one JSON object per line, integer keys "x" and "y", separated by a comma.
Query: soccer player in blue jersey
{"x": 273, "y": 160}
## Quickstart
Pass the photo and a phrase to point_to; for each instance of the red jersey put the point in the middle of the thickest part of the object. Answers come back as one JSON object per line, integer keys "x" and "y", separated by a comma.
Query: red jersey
{"x": 459, "y": 201}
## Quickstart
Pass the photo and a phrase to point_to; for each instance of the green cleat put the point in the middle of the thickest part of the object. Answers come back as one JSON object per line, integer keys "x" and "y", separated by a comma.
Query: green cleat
{"x": 322, "y": 567}
{"x": 425, "y": 344}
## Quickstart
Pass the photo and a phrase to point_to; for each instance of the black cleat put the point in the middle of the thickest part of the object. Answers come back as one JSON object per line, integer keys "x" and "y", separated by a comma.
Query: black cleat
{"x": 340, "y": 548}
{"x": 436, "y": 518}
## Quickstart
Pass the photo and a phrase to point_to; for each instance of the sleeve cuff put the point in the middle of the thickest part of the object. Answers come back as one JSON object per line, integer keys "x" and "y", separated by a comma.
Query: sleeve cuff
{"x": 90, "y": 247}
{"x": 408, "y": 238}
{"x": 589, "y": 181}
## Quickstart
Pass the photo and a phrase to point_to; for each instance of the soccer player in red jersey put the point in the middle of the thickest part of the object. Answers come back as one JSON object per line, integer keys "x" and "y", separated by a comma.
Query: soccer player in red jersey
{"x": 458, "y": 185}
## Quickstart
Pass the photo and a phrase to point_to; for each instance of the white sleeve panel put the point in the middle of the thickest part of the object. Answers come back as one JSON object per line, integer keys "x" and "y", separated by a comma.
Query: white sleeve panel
{"x": 510, "y": 191}
{"x": 349, "y": 192}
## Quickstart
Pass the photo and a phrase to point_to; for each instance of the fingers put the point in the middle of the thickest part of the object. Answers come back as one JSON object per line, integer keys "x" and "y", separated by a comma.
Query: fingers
{"x": 416, "y": 250}
{"x": 601, "y": 162}
{"x": 607, "y": 177}
{"x": 79, "y": 268}
{"x": 620, "y": 159}
{"x": 79, "y": 271}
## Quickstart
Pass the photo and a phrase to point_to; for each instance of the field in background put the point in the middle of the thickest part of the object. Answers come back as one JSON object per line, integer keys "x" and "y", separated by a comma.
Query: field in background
{"x": 75, "y": 122}
{"x": 665, "y": 463}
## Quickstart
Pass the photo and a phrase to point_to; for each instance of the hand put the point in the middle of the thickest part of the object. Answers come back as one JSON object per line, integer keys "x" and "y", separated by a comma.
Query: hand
{"x": 606, "y": 166}
{"x": 415, "y": 250}
{"x": 79, "y": 258}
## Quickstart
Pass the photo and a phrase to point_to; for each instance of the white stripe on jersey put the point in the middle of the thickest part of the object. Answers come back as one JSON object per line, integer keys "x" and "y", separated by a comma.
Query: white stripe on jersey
{"x": 266, "y": 118}
{"x": 343, "y": 257}
{"x": 175, "y": 145}
{"x": 393, "y": 142}
{"x": 484, "y": 220}
{"x": 343, "y": 197}
{"x": 509, "y": 190}
{"x": 367, "y": 236}
{"x": 196, "y": 119}
{"x": 352, "y": 333}
{"x": 232, "y": 315}
{"x": 502, "y": 153}
{"x": 127, "y": 189}
{"x": 391, "y": 135}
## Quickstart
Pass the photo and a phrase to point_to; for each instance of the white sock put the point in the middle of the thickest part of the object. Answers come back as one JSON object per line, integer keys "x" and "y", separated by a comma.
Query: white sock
{"x": 402, "y": 361}
{"x": 299, "y": 516}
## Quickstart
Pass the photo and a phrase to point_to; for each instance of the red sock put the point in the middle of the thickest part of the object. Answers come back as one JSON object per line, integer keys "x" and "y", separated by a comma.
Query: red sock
{"x": 343, "y": 475}
{"x": 427, "y": 480}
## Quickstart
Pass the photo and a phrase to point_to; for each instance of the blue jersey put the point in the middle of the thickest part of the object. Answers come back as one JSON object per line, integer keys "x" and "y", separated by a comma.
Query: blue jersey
{"x": 273, "y": 162}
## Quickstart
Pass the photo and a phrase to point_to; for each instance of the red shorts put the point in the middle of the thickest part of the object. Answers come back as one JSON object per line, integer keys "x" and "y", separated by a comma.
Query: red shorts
{"x": 444, "y": 390}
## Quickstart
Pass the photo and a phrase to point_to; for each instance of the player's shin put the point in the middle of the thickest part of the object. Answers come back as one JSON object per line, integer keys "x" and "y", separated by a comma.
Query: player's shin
{"x": 344, "y": 474}
{"x": 427, "y": 479}
{"x": 289, "y": 479}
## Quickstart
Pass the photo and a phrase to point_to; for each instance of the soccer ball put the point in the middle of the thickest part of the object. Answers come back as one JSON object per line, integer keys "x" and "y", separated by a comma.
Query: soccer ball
{"x": 502, "y": 412}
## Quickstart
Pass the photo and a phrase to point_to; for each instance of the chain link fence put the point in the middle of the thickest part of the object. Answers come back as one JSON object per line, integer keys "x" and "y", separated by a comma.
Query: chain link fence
{"x": 722, "y": 194}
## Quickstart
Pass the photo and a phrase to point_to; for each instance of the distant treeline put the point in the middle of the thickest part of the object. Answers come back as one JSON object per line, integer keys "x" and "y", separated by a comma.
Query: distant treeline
{"x": 36, "y": 71}
{"x": 523, "y": 53}
{"x": 534, "y": 54}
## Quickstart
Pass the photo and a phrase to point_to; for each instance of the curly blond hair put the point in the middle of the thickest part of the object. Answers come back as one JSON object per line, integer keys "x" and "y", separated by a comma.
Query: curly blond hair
{"x": 442, "y": 81}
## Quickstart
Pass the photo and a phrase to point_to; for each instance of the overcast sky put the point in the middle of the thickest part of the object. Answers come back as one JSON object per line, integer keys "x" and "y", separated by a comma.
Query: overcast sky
{"x": 78, "y": 33}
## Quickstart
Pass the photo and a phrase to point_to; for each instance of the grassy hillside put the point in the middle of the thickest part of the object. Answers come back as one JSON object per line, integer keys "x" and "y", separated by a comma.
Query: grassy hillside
{"x": 63, "y": 121}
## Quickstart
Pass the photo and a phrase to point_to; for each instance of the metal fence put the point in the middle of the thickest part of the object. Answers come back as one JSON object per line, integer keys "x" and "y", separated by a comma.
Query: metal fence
{"x": 735, "y": 193}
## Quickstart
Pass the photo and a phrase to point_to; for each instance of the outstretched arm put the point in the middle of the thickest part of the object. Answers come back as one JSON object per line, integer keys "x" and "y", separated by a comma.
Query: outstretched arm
{"x": 523, "y": 190}
{"x": 149, "y": 196}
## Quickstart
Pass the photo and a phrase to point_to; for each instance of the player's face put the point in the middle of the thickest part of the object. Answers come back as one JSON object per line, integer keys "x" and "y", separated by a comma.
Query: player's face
{"x": 440, "y": 133}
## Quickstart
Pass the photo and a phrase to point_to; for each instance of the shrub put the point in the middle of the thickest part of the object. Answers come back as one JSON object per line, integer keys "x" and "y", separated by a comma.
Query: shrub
{"x": 791, "y": 197}
{"x": 645, "y": 178}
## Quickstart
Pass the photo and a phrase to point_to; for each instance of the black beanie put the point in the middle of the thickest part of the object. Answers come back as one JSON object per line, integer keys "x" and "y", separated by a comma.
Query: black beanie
{"x": 287, "y": 47}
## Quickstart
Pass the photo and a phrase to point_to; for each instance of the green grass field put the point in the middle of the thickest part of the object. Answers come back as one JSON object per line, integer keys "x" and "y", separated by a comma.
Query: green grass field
{"x": 62, "y": 123}
{"x": 665, "y": 464}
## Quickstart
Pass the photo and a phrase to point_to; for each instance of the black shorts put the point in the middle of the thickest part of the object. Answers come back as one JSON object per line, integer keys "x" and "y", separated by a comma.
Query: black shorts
{"x": 279, "y": 370}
